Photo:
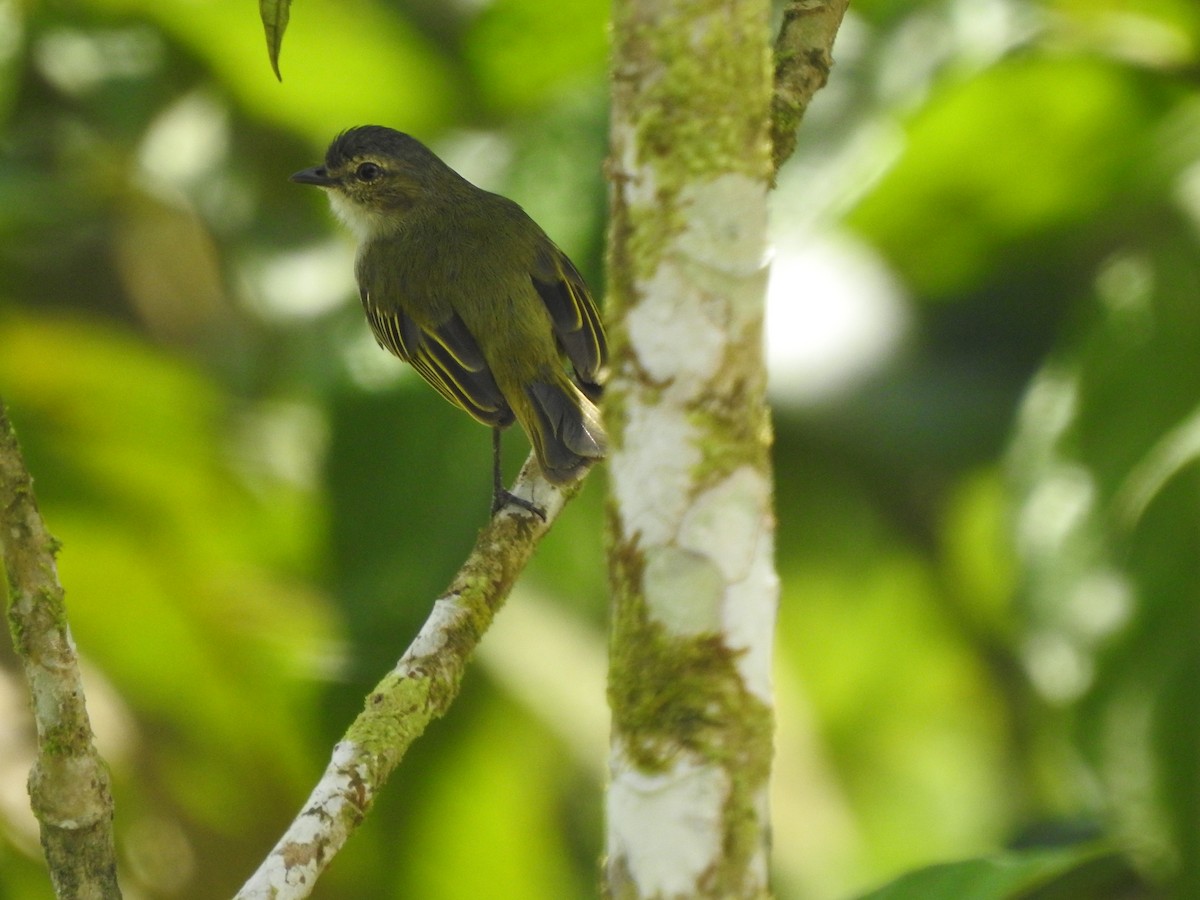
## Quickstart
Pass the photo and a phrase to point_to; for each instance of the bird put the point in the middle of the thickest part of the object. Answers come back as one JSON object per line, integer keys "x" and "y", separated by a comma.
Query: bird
{"x": 464, "y": 286}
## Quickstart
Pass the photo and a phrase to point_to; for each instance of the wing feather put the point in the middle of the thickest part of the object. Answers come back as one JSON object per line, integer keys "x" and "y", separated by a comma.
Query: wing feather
{"x": 447, "y": 357}
{"x": 573, "y": 312}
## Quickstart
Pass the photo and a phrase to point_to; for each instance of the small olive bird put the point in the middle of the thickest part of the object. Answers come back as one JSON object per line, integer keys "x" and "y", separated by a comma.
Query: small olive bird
{"x": 463, "y": 285}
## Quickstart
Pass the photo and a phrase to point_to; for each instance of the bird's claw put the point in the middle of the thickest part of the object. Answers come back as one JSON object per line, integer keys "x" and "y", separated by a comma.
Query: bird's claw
{"x": 502, "y": 498}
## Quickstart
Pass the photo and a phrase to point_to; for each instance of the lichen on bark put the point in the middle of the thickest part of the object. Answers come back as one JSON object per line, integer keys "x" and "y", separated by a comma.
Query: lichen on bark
{"x": 69, "y": 785}
{"x": 689, "y": 678}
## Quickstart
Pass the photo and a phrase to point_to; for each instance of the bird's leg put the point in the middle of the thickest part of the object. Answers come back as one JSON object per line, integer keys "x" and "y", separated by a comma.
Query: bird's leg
{"x": 502, "y": 496}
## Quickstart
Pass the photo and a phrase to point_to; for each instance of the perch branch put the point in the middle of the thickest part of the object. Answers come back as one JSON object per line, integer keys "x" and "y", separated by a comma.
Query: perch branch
{"x": 420, "y": 688}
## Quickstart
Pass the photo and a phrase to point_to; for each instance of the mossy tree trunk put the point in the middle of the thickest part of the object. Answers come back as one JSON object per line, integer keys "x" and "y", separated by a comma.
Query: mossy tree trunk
{"x": 691, "y": 526}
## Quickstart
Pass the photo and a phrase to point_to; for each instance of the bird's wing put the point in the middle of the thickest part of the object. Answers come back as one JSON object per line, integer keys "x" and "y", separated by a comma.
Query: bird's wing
{"x": 446, "y": 356}
{"x": 576, "y": 320}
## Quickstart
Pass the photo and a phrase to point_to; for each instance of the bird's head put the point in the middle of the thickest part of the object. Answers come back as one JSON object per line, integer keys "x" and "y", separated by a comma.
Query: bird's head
{"x": 375, "y": 176}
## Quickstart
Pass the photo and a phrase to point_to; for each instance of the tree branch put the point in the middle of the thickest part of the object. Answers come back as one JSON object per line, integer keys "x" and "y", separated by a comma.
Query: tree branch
{"x": 69, "y": 784}
{"x": 420, "y": 688}
{"x": 803, "y": 60}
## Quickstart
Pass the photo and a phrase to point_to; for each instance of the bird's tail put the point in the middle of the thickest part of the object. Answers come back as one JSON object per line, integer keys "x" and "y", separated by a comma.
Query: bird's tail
{"x": 564, "y": 427}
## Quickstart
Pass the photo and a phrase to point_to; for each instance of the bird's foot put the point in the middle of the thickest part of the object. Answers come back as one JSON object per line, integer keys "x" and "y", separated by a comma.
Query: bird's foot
{"x": 502, "y": 498}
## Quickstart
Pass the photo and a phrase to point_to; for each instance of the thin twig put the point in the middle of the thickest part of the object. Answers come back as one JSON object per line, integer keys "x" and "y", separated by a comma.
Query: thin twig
{"x": 69, "y": 784}
{"x": 420, "y": 688}
{"x": 803, "y": 60}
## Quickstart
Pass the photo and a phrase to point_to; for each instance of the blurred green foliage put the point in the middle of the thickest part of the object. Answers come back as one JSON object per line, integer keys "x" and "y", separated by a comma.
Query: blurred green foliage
{"x": 989, "y": 542}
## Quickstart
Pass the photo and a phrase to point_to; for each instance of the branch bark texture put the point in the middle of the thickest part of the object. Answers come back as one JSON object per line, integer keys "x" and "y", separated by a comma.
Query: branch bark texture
{"x": 419, "y": 689}
{"x": 691, "y": 527}
{"x": 803, "y": 60}
{"x": 69, "y": 785}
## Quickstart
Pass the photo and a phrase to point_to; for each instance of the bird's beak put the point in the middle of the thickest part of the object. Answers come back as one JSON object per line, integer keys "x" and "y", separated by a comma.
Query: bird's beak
{"x": 316, "y": 175}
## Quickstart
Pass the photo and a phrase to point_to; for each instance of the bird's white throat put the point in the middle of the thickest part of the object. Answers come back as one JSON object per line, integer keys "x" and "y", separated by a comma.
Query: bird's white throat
{"x": 362, "y": 223}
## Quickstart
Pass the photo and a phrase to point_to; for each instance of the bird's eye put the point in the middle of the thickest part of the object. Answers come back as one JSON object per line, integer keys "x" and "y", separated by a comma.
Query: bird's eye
{"x": 368, "y": 172}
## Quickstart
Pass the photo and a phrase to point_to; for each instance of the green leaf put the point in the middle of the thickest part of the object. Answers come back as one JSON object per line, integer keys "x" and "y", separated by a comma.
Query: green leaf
{"x": 1176, "y": 450}
{"x": 412, "y": 82}
{"x": 275, "y": 15}
{"x": 1000, "y": 877}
